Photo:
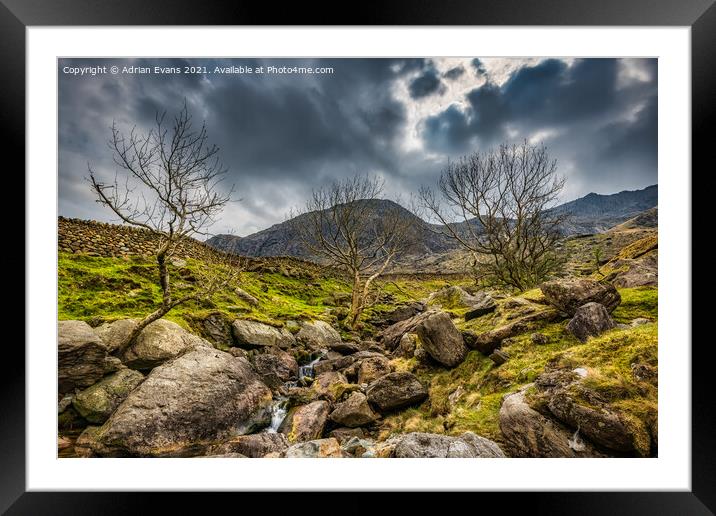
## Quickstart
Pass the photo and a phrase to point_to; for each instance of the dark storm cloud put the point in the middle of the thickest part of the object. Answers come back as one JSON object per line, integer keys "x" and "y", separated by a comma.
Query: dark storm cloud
{"x": 454, "y": 73}
{"x": 599, "y": 129}
{"x": 284, "y": 134}
{"x": 427, "y": 83}
{"x": 478, "y": 66}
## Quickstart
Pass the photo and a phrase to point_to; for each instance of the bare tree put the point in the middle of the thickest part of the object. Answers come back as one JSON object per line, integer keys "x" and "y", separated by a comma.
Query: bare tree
{"x": 496, "y": 205}
{"x": 347, "y": 225}
{"x": 170, "y": 188}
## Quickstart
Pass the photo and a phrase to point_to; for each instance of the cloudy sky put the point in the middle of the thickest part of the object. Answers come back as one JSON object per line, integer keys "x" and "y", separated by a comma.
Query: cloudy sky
{"x": 282, "y": 134}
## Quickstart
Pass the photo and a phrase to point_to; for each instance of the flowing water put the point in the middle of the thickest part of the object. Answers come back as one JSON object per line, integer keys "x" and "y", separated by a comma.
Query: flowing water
{"x": 279, "y": 409}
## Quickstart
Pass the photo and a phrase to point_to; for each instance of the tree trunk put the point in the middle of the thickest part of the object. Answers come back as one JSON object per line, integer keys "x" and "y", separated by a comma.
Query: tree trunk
{"x": 357, "y": 300}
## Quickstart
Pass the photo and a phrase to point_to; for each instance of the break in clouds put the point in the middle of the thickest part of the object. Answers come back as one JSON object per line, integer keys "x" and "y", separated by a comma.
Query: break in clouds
{"x": 281, "y": 135}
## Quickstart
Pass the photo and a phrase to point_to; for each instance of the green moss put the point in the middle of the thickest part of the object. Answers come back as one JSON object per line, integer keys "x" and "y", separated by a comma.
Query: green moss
{"x": 637, "y": 302}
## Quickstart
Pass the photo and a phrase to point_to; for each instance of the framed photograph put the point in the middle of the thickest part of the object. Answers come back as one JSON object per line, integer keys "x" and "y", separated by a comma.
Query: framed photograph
{"x": 416, "y": 251}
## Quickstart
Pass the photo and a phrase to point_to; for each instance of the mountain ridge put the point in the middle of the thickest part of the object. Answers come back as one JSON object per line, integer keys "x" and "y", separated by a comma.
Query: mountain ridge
{"x": 593, "y": 213}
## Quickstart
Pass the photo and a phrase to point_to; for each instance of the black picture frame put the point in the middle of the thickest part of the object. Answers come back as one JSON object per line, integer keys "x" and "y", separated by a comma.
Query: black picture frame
{"x": 700, "y": 15}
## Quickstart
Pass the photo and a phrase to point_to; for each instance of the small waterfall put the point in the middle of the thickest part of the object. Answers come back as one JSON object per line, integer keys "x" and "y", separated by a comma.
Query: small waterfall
{"x": 307, "y": 370}
{"x": 576, "y": 442}
{"x": 278, "y": 414}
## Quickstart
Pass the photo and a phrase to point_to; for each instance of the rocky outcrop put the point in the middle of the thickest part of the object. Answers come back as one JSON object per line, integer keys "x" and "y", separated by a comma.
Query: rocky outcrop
{"x": 488, "y": 341}
{"x": 590, "y": 320}
{"x": 353, "y": 412}
{"x": 305, "y": 422}
{"x": 202, "y": 395}
{"x": 253, "y": 445}
{"x": 81, "y": 356}
{"x": 453, "y": 297}
{"x": 318, "y": 335}
{"x": 252, "y": 334}
{"x": 158, "y": 342}
{"x": 527, "y": 433}
{"x": 468, "y": 445}
{"x": 395, "y": 391}
{"x": 319, "y": 448}
{"x": 441, "y": 339}
{"x": 97, "y": 402}
{"x": 567, "y": 295}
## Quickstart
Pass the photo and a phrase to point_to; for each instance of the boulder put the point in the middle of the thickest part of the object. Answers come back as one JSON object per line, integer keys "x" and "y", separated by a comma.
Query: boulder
{"x": 159, "y": 342}
{"x": 404, "y": 312}
{"x": 441, "y": 339}
{"x": 468, "y": 445}
{"x": 320, "y": 448}
{"x": 97, "y": 402}
{"x": 372, "y": 368}
{"x": 253, "y": 445}
{"x": 217, "y": 329}
{"x": 305, "y": 422}
{"x": 202, "y": 395}
{"x": 453, "y": 297}
{"x": 527, "y": 433}
{"x": 358, "y": 447}
{"x": 483, "y": 306}
{"x": 392, "y": 334}
{"x": 278, "y": 363}
{"x": 115, "y": 333}
{"x": 345, "y": 348}
{"x": 330, "y": 385}
{"x": 567, "y": 295}
{"x": 252, "y": 334}
{"x": 344, "y": 434}
{"x": 639, "y": 273}
{"x": 81, "y": 356}
{"x": 353, "y": 412}
{"x": 395, "y": 391}
{"x": 590, "y": 320}
{"x": 335, "y": 364}
{"x": 406, "y": 346}
{"x": 85, "y": 442}
{"x": 318, "y": 335}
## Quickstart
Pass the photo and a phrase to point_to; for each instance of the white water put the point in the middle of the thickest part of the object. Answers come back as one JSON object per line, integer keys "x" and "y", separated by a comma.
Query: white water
{"x": 278, "y": 414}
{"x": 307, "y": 370}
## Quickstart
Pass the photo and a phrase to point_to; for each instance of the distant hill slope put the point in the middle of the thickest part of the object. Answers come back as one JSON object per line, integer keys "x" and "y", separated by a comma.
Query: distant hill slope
{"x": 646, "y": 219}
{"x": 593, "y": 213}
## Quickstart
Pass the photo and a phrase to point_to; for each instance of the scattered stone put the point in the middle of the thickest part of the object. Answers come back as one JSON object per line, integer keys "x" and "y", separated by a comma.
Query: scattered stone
{"x": 590, "y": 320}
{"x": 344, "y": 434}
{"x": 158, "y": 342}
{"x": 639, "y": 321}
{"x": 81, "y": 356}
{"x": 499, "y": 357}
{"x": 335, "y": 364}
{"x": 357, "y": 447}
{"x": 455, "y": 395}
{"x": 97, "y": 402}
{"x": 568, "y": 295}
{"x": 453, "y": 297}
{"x": 305, "y": 422}
{"x": 63, "y": 443}
{"x": 353, "y": 412}
{"x": 644, "y": 372}
{"x": 252, "y": 334}
{"x": 204, "y": 394}
{"x": 320, "y": 448}
{"x": 539, "y": 339}
{"x": 395, "y": 391}
{"x": 237, "y": 352}
{"x": 468, "y": 445}
{"x": 345, "y": 348}
{"x": 392, "y": 334}
{"x": 441, "y": 339}
{"x": 246, "y": 297}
